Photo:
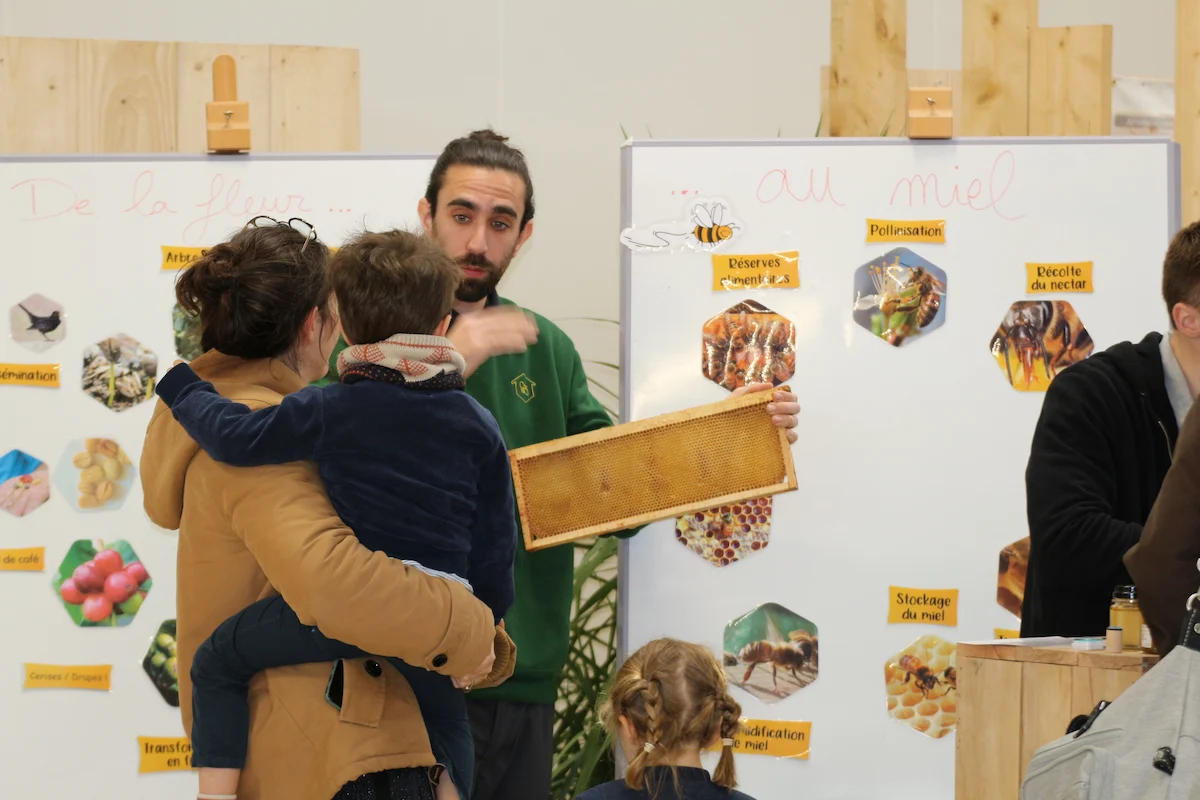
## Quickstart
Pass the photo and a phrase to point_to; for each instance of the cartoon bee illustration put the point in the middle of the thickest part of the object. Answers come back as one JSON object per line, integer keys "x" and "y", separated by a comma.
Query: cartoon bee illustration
{"x": 908, "y": 299}
{"x": 709, "y": 228}
{"x": 926, "y": 679}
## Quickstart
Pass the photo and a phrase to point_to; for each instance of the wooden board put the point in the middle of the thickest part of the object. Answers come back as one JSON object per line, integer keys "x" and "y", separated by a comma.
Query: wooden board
{"x": 988, "y": 739}
{"x": 195, "y": 90}
{"x": 995, "y": 73}
{"x": 867, "y": 67}
{"x": 1070, "y": 81}
{"x": 1187, "y": 105}
{"x": 314, "y": 99}
{"x": 629, "y": 475}
{"x": 1129, "y": 660}
{"x": 40, "y": 95}
{"x": 127, "y": 94}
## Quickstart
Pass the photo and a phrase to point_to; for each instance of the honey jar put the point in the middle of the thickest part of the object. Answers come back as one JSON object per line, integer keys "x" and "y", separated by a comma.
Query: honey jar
{"x": 1125, "y": 614}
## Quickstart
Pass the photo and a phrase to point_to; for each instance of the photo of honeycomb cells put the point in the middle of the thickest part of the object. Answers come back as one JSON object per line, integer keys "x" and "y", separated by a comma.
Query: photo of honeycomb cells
{"x": 1010, "y": 577}
{"x": 899, "y": 297}
{"x": 727, "y": 534}
{"x": 770, "y": 652}
{"x": 922, "y": 689}
{"x": 1036, "y": 340}
{"x": 748, "y": 343}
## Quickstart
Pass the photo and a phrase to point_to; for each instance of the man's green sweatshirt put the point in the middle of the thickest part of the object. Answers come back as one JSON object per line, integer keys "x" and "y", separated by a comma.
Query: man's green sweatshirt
{"x": 536, "y": 396}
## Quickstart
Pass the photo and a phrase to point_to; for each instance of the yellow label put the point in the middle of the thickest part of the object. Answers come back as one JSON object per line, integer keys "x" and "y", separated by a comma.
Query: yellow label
{"x": 43, "y": 375}
{"x": 164, "y": 753}
{"x": 906, "y": 230}
{"x": 57, "y": 676}
{"x": 179, "y": 257}
{"x": 922, "y": 606}
{"x": 1075, "y": 276}
{"x": 762, "y": 271}
{"x": 1006, "y": 633}
{"x": 29, "y": 559}
{"x": 768, "y": 737}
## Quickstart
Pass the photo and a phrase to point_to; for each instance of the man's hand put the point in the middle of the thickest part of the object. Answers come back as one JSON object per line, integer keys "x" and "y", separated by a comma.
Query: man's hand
{"x": 784, "y": 410}
{"x": 485, "y": 669}
{"x": 489, "y": 332}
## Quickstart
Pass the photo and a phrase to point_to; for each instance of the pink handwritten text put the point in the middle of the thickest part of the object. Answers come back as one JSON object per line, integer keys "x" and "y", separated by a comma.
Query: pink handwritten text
{"x": 50, "y": 198}
{"x": 999, "y": 181}
{"x": 143, "y": 185}
{"x": 777, "y": 181}
{"x": 227, "y": 202}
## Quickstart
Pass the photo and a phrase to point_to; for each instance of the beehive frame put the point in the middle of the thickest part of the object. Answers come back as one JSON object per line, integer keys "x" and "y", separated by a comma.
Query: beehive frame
{"x": 597, "y": 467}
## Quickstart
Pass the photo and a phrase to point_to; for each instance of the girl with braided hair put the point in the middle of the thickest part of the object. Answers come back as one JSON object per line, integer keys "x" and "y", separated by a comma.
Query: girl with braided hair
{"x": 667, "y": 703}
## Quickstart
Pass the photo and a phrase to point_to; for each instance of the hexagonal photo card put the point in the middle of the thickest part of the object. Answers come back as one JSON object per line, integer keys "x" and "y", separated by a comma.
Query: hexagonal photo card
{"x": 159, "y": 663}
{"x": 1010, "y": 580}
{"x": 748, "y": 343}
{"x": 24, "y": 483}
{"x": 1036, "y": 340}
{"x": 37, "y": 323}
{"x": 94, "y": 474}
{"x": 899, "y": 296}
{"x": 922, "y": 686}
{"x": 727, "y": 534}
{"x": 771, "y": 652}
{"x": 119, "y": 372}
{"x": 187, "y": 334}
{"x": 101, "y": 584}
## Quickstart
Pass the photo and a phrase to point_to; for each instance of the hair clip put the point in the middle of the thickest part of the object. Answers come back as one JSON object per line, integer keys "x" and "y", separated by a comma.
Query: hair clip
{"x": 727, "y": 742}
{"x": 648, "y": 746}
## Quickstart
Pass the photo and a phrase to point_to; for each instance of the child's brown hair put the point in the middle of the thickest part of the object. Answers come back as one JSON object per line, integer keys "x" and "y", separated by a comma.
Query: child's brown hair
{"x": 675, "y": 695}
{"x": 391, "y": 282}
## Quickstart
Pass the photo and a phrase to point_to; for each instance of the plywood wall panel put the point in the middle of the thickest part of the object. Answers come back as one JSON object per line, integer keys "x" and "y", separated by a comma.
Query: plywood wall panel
{"x": 127, "y": 96}
{"x": 995, "y": 73}
{"x": 867, "y": 67}
{"x": 39, "y": 95}
{"x": 314, "y": 99}
{"x": 1070, "y": 81}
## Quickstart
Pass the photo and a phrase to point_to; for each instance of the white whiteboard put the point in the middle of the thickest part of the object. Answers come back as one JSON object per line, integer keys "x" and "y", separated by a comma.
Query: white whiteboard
{"x": 104, "y": 268}
{"x": 932, "y": 510}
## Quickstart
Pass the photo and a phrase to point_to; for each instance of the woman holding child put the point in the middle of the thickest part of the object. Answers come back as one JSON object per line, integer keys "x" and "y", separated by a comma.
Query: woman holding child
{"x": 318, "y": 730}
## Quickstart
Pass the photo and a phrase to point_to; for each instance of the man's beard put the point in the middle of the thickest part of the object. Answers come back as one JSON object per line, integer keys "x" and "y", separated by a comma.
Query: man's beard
{"x": 472, "y": 290}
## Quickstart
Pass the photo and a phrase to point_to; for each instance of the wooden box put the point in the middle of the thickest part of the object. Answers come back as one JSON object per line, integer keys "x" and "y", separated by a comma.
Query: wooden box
{"x": 930, "y": 112}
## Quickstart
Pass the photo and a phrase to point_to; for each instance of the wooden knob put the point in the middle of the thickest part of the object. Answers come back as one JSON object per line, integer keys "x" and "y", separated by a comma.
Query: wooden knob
{"x": 224, "y": 79}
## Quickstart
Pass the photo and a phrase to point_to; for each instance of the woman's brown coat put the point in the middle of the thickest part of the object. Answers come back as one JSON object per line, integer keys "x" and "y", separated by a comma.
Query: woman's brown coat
{"x": 248, "y": 533}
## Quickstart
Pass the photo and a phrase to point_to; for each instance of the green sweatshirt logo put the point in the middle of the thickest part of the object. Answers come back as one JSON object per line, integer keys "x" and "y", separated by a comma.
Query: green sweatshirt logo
{"x": 524, "y": 387}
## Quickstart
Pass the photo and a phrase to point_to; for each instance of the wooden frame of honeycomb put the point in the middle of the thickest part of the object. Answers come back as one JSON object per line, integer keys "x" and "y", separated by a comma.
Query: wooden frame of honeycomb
{"x": 629, "y": 475}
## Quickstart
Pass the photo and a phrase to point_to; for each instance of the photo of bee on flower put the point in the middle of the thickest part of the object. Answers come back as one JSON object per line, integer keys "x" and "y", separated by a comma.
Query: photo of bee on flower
{"x": 95, "y": 474}
{"x": 159, "y": 663}
{"x": 899, "y": 296}
{"x": 1036, "y": 340}
{"x": 119, "y": 372}
{"x": 101, "y": 584}
{"x": 771, "y": 652}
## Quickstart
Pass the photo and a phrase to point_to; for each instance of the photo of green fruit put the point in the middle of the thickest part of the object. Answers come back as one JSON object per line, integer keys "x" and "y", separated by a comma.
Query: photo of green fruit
{"x": 101, "y": 584}
{"x": 159, "y": 663}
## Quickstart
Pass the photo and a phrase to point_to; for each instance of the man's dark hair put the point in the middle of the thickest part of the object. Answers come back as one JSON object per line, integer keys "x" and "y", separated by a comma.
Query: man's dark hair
{"x": 391, "y": 282}
{"x": 487, "y": 149}
{"x": 1181, "y": 269}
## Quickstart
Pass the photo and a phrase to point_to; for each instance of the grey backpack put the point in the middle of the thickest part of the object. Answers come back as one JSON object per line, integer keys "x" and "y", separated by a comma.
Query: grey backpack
{"x": 1143, "y": 745}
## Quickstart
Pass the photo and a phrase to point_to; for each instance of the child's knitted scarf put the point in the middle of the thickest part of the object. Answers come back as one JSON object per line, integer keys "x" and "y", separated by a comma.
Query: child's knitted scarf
{"x": 411, "y": 360}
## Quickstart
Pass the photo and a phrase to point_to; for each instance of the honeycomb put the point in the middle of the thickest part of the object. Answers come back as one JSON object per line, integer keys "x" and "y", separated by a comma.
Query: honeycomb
{"x": 633, "y": 474}
{"x": 1010, "y": 580}
{"x": 729, "y": 533}
{"x": 920, "y": 692}
{"x": 748, "y": 343}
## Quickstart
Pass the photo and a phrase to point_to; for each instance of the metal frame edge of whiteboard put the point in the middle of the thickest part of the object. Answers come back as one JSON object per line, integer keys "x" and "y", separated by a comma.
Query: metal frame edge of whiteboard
{"x": 880, "y": 141}
{"x": 51, "y": 158}
{"x": 623, "y": 386}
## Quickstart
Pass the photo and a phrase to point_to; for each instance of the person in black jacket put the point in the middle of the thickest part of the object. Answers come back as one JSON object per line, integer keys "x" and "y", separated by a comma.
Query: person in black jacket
{"x": 1101, "y": 448}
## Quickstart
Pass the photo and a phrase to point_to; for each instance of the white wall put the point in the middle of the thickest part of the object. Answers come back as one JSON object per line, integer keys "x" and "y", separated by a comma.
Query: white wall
{"x": 561, "y": 76}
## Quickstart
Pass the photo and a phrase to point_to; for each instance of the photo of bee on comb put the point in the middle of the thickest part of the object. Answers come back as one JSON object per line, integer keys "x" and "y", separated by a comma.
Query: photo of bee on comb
{"x": 899, "y": 296}
{"x": 771, "y": 652}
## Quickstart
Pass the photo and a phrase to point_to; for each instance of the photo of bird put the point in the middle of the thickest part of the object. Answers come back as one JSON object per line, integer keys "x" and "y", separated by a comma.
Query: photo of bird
{"x": 43, "y": 325}
{"x": 37, "y": 322}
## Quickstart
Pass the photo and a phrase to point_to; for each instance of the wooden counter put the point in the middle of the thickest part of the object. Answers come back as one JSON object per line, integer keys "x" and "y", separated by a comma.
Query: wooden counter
{"x": 1014, "y": 699}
